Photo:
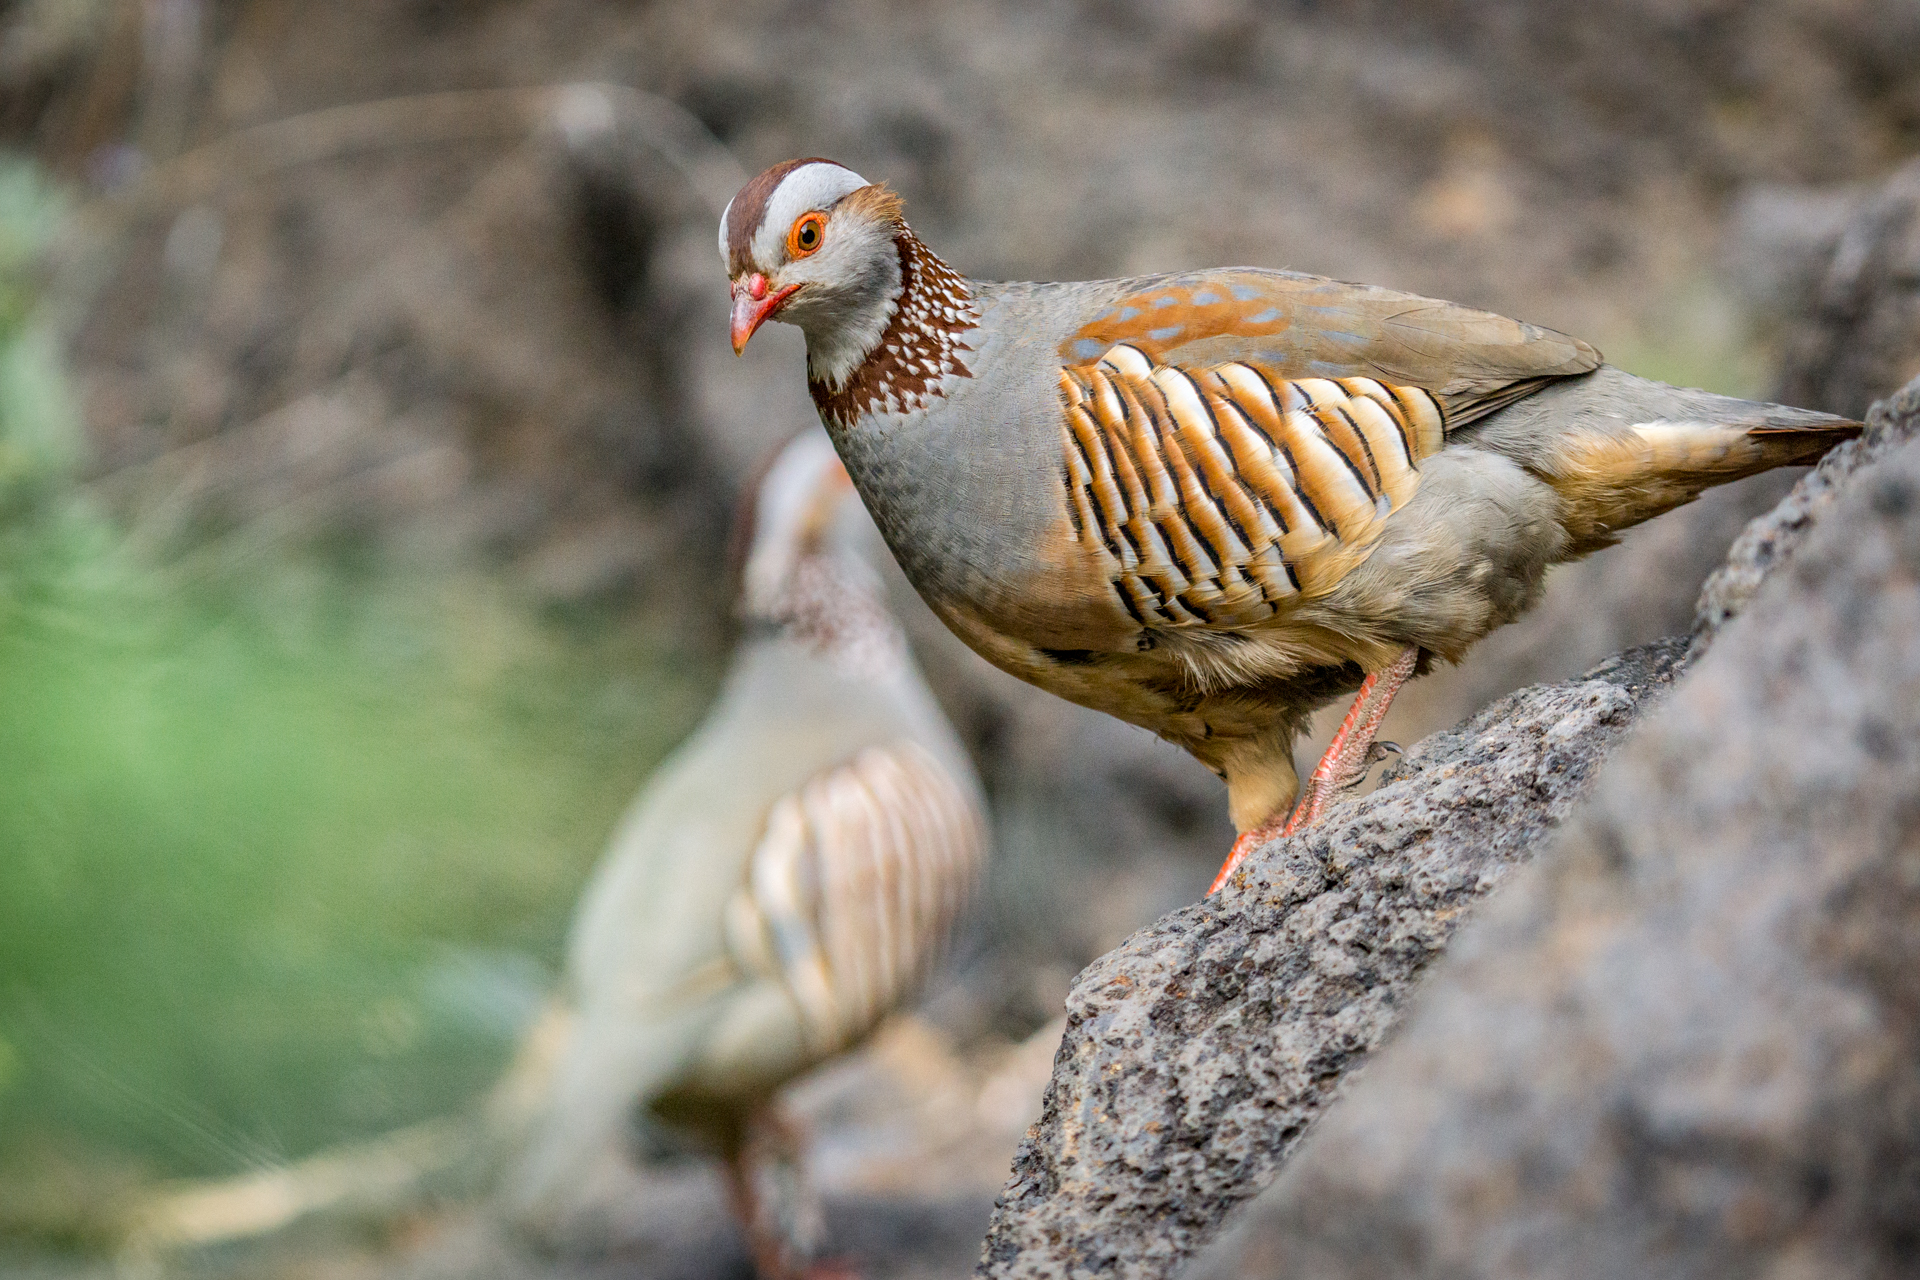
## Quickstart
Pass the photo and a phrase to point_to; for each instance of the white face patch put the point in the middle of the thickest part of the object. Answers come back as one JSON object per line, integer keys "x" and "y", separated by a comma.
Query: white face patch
{"x": 811, "y": 186}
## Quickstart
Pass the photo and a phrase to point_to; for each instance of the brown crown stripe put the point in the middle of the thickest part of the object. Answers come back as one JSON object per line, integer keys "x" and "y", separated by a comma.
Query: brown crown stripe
{"x": 1212, "y": 496}
{"x": 749, "y": 208}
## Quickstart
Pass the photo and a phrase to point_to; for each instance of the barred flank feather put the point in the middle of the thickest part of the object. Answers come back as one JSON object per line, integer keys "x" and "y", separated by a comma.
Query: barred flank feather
{"x": 1213, "y": 497}
{"x": 855, "y": 887}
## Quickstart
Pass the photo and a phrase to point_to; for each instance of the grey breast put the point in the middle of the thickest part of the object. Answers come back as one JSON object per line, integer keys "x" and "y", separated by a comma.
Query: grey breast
{"x": 966, "y": 490}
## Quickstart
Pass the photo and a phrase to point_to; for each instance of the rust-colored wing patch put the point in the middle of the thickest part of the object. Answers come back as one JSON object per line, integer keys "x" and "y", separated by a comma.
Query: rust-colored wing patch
{"x": 1174, "y": 313}
{"x": 1215, "y": 496}
{"x": 855, "y": 886}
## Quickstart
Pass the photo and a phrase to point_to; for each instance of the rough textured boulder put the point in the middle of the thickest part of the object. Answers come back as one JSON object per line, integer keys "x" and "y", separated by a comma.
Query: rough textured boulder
{"x": 1688, "y": 1041}
{"x": 1197, "y": 1054}
{"x": 1841, "y": 267}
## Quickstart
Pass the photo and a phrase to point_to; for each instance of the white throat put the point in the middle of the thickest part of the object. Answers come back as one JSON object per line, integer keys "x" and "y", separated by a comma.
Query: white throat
{"x": 842, "y": 335}
{"x": 835, "y": 350}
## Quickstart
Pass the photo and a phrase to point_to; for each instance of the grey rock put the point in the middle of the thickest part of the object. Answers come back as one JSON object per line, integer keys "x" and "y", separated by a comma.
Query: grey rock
{"x": 1771, "y": 538}
{"x": 1852, "y": 310}
{"x": 1779, "y": 239}
{"x": 509, "y": 355}
{"x": 1686, "y": 1042}
{"x": 1198, "y": 1052}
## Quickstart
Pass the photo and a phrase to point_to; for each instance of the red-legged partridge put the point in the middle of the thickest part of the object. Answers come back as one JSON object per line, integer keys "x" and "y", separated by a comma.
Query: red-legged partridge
{"x": 1208, "y": 503}
{"x": 783, "y": 882}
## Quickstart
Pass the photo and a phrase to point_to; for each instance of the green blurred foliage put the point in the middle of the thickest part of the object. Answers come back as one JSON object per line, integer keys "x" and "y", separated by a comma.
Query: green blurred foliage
{"x": 283, "y": 861}
{"x": 37, "y": 432}
{"x": 1694, "y": 334}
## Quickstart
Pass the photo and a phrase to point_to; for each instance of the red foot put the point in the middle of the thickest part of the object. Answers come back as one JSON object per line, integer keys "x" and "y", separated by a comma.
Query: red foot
{"x": 1347, "y": 759}
{"x": 1249, "y": 840}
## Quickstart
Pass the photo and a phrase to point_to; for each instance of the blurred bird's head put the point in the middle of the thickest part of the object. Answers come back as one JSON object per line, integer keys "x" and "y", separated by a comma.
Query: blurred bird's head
{"x": 788, "y": 519}
{"x": 812, "y": 243}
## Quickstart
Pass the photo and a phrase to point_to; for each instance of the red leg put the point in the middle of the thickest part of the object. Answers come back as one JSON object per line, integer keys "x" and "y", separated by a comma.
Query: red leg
{"x": 763, "y": 1237}
{"x": 1347, "y": 759}
{"x": 1350, "y": 754}
{"x": 783, "y": 1228}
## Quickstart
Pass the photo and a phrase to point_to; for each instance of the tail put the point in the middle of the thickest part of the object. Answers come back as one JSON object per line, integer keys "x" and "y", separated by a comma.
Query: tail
{"x": 564, "y": 1109}
{"x": 1620, "y": 449}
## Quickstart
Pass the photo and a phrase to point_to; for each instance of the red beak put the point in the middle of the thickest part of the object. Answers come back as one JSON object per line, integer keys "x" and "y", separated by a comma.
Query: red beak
{"x": 753, "y": 305}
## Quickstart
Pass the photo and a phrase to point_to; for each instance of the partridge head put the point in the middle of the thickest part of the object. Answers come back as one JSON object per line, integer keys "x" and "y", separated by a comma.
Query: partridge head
{"x": 1210, "y": 502}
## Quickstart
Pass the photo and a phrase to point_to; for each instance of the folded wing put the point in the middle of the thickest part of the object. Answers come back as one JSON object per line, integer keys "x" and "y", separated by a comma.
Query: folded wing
{"x": 854, "y": 889}
{"x": 1217, "y": 496}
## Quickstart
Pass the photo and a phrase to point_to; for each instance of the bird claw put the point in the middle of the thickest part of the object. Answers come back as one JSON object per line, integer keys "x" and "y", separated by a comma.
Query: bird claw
{"x": 1375, "y": 754}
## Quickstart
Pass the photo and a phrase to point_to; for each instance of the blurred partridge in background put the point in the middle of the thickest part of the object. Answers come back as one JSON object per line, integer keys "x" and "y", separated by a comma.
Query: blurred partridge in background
{"x": 1209, "y": 503}
{"x": 783, "y": 883}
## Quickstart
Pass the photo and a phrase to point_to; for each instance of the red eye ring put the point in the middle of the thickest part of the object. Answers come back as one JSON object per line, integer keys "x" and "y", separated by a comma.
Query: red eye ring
{"x": 809, "y": 229}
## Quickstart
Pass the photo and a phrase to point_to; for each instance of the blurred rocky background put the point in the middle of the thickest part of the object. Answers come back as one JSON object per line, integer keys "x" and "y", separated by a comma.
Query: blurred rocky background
{"x": 368, "y": 434}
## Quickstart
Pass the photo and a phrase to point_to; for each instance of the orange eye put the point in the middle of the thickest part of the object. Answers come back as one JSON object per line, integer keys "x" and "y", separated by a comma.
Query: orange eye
{"x": 806, "y": 235}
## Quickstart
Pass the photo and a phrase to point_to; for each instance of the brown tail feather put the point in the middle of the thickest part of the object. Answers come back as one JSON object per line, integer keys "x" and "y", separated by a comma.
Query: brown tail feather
{"x": 1820, "y": 436}
{"x": 1610, "y": 481}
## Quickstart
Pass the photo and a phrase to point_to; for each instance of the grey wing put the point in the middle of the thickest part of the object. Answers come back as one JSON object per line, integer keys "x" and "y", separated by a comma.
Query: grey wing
{"x": 854, "y": 889}
{"x": 1297, "y": 326}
